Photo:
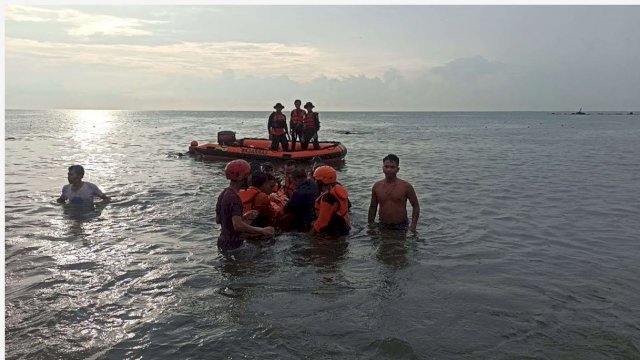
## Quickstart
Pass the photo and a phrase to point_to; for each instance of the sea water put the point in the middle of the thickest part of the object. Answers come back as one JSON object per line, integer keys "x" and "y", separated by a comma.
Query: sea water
{"x": 528, "y": 244}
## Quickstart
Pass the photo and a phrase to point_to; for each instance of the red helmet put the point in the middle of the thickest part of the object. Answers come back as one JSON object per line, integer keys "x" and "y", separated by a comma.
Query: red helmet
{"x": 325, "y": 174}
{"x": 237, "y": 170}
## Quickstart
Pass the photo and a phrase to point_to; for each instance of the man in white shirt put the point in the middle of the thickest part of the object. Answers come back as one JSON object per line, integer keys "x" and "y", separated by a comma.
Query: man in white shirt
{"x": 78, "y": 191}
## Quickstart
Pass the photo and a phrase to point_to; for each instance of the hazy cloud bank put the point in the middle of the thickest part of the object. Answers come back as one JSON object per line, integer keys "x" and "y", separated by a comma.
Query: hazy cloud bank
{"x": 386, "y": 58}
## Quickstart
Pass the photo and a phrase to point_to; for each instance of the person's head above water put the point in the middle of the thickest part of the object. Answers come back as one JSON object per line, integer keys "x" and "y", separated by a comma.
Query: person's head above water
{"x": 289, "y": 166}
{"x": 78, "y": 169}
{"x": 267, "y": 167}
{"x": 392, "y": 157}
{"x": 75, "y": 173}
{"x": 262, "y": 181}
{"x": 299, "y": 175}
{"x": 325, "y": 174}
{"x": 237, "y": 170}
{"x": 390, "y": 166}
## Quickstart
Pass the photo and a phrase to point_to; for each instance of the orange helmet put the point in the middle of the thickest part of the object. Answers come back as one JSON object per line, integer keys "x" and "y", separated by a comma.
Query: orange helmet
{"x": 237, "y": 170}
{"x": 325, "y": 174}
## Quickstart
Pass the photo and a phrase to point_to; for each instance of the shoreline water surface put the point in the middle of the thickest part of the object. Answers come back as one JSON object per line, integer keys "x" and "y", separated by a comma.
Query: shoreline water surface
{"x": 527, "y": 244}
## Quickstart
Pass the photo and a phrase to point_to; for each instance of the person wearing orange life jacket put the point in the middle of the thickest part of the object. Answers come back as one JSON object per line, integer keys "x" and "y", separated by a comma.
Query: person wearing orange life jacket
{"x": 289, "y": 181}
{"x": 332, "y": 206}
{"x": 297, "y": 124}
{"x": 256, "y": 197}
{"x": 311, "y": 125}
{"x": 277, "y": 128}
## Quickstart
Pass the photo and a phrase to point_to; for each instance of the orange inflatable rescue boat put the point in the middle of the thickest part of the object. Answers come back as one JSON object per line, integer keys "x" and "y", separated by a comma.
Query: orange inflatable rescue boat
{"x": 259, "y": 149}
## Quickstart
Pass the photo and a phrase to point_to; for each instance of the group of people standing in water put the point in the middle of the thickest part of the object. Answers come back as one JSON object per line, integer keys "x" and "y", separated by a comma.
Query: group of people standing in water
{"x": 304, "y": 127}
{"x": 256, "y": 202}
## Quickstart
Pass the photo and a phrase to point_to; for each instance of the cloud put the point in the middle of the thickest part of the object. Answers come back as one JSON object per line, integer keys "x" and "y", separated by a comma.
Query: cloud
{"x": 252, "y": 76}
{"x": 469, "y": 69}
{"x": 196, "y": 59}
{"x": 233, "y": 76}
{"x": 188, "y": 58}
{"x": 82, "y": 24}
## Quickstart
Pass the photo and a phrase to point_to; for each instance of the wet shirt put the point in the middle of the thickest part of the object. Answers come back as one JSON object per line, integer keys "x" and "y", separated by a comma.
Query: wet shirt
{"x": 82, "y": 196}
{"x": 301, "y": 205}
{"x": 228, "y": 206}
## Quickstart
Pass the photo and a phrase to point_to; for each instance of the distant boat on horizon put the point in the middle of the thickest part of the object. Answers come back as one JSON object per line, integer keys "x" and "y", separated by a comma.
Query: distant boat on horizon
{"x": 579, "y": 112}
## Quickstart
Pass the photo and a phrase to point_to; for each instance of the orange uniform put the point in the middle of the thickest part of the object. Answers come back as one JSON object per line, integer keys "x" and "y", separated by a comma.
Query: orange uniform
{"x": 254, "y": 199}
{"x": 332, "y": 209}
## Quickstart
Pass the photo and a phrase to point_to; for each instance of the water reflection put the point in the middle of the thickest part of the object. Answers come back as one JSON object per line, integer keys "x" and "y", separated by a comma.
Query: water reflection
{"x": 82, "y": 212}
{"x": 324, "y": 254}
{"x": 240, "y": 261}
{"x": 91, "y": 125}
{"x": 94, "y": 136}
{"x": 392, "y": 245}
{"x": 79, "y": 214}
{"x": 327, "y": 254}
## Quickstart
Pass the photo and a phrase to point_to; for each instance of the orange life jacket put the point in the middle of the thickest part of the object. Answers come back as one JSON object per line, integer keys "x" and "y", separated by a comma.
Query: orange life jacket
{"x": 278, "y": 201}
{"x": 310, "y": 120}
{"x": 248, "y": 196}
{"x": 342, "y": 195}
{"x": 297, "y": 117}
{"x": 278, "y": 124}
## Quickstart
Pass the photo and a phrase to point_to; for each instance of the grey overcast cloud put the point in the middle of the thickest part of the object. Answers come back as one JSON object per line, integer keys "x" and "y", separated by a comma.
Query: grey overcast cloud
{"x": 353, "y": 58}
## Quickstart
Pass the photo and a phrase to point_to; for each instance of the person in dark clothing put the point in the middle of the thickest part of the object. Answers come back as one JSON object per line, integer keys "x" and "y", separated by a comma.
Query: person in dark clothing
{"x": 299, "y": 212}
{"x": 311, "y": 125}
{"x": 278, "y": 129}
{"x": 229, "y": 210}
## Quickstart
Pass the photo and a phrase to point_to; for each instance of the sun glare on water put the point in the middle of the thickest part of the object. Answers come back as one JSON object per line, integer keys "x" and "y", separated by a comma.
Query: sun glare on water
{"x": 92, "y": 124}
{"x": 91, "y": 132}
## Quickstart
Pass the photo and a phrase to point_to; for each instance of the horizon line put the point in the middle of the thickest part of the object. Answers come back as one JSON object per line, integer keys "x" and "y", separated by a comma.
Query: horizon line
{"x": 367, "y": 111}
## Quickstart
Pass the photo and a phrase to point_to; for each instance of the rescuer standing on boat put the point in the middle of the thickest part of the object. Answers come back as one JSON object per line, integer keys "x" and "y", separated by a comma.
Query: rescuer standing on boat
{"x": 311, "y": 125}
{"x": 277, "y": 128}
{"x": 296, "y": 124}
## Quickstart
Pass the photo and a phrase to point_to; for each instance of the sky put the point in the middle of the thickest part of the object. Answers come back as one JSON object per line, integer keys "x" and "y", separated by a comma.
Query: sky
{"x": 342, "y": 58}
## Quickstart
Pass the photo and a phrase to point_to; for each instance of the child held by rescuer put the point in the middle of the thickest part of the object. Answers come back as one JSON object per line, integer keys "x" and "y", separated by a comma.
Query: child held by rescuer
{"x": 256, "y": 197}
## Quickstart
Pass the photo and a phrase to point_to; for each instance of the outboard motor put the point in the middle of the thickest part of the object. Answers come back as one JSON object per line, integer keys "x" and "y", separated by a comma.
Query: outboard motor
{"x": 226, "y": 137}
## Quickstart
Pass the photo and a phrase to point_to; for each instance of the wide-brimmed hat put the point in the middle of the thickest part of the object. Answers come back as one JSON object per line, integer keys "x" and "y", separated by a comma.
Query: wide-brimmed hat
{"x": 308, "y": 105}
{"x": 278, "y": 105}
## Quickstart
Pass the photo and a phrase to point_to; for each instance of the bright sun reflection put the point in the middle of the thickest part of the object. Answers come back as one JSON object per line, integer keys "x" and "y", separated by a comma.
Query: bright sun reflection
{"x": 92, "y": 124}
{"x": 92, "y": 134}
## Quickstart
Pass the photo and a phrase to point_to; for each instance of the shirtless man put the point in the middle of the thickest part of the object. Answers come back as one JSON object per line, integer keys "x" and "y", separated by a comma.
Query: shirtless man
{"x": 392, "y": 194}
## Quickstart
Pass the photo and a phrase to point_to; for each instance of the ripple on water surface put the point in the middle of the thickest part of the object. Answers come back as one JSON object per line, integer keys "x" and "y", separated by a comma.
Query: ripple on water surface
{"x": 526, "y": 246}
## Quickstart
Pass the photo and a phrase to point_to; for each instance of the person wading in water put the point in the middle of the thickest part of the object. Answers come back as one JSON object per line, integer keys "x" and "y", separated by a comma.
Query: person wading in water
{"x": 391, "y": 194}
